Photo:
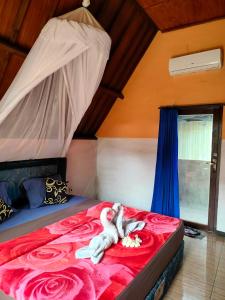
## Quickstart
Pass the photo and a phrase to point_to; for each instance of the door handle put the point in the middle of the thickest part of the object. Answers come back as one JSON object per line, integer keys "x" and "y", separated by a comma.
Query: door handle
{"x": 213, "y": 164}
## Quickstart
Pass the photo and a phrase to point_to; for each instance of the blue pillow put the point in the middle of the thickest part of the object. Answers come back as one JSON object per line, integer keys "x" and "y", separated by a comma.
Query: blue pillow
{"x": 4, "y": 195}
{"x": 36, "y": 191}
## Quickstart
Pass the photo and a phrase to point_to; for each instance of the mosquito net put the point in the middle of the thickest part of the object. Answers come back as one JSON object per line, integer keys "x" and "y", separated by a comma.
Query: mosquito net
{"x": 54, "y": 87}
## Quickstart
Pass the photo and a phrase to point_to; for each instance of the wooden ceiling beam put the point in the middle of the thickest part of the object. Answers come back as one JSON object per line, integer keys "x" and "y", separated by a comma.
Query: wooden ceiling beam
{"x": 11, "y": 48}
{"x": 111, "y": 92}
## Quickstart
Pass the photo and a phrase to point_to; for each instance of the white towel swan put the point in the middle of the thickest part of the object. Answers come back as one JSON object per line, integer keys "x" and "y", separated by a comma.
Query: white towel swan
{"x": 112, "y": 231}
{"x": 123, "y": 226}
{"x": 102, "y": 241}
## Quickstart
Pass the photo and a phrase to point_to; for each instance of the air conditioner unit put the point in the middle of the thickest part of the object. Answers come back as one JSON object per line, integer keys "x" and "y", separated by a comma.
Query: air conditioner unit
{"x": 202, "y": 61}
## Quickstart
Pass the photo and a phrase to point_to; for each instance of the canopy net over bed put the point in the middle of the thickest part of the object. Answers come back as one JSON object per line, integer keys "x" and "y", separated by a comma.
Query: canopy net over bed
{"x": 54, "y": 87}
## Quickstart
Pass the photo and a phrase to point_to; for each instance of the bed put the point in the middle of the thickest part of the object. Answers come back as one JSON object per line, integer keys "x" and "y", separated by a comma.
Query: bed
{"x": 31, "y": 263}
{"x": 25, "y": 219}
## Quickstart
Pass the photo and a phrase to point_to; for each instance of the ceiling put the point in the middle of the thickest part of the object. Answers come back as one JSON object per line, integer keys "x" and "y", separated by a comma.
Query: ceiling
{"x": 172, "y": 14}
{"x": 130, "y": 27}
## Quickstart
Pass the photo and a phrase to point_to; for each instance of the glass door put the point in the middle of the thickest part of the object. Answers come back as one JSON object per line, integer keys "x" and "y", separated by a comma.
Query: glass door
{"x": 198, "y": 153}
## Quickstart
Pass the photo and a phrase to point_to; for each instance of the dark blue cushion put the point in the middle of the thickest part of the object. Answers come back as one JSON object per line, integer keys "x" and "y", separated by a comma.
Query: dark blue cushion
{"x": 4, "y": 192}
{"x": 36, "y": 191}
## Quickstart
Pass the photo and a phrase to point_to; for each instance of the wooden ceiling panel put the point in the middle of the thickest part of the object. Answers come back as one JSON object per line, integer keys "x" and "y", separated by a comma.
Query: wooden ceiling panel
{"x": 98, "y": 110}
{"x": 14, "y": 63}
{"x": 96, "y": 7}
{"x": 134, "y": 53}
{"x": 171, "y": 14}
{"x": 64, "y": 6}
{"x": 8, "y": 14}
{"x": 108, "y": 13}
{"x": 102, "y": 109}
{"x": 147, "y": 3}
{"x": 131, "y": 33}
{"x": 106, "y": 104}
{"x": 38, "y": 13}
{"x": 127, "y": 49}
{"x": 11, "y": 48}
{"x": 4, "y": 58}
{"x": 129, "y": 27}
{"x": 125, "y": 53}
{"x": 122, "y": 20}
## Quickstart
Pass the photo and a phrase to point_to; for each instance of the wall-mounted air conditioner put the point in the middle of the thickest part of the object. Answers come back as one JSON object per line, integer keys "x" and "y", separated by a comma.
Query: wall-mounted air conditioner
{"x": 202, "y": 61}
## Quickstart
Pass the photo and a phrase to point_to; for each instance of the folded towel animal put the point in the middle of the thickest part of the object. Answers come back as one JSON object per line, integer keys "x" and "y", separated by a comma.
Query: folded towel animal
{"x": 123, "y": 226}
{"x": 112, "y": 231}
{"x": 102, "y": 241}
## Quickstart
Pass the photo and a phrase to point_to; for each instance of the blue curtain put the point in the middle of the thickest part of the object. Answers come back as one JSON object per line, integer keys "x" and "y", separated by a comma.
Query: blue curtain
{"x": 166, "y": 187}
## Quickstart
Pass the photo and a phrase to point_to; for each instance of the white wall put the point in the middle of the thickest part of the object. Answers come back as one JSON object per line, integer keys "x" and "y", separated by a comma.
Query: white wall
{"x": 221, "y": 200}
{"x": 81, "y": 167}
{"x": 126, "y": 170}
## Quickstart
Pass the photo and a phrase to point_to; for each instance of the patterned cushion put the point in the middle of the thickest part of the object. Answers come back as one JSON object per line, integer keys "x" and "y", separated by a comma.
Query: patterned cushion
{"x": 56, "y": 192}
{"x": 4, "y": 189}
{"x": 5, "y": 211}
{"x": 35, "y": 190}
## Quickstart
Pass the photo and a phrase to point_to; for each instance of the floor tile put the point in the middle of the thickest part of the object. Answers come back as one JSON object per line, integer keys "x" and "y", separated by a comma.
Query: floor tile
{"x": 220, "y": 281}
{"x": 202, "y": 275}
{"x": 219, "y": 292}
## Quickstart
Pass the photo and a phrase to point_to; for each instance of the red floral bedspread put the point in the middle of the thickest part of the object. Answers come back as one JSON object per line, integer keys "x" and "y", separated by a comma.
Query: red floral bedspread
{"x": 42, "y": 265}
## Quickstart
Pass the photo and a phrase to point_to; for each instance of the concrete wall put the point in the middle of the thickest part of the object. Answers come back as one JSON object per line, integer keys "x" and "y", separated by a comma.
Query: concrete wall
{"x": 81, "y": 167}
{"x": 126, "y": 170}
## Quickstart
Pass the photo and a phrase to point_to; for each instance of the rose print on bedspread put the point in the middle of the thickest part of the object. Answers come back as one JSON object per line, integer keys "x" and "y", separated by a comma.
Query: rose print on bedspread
{"x": 68, "y": 224}
{"x": 160, "y": 224}
{"x": 156, "y": 222}
{"x": 52, "y": 271}
{"x": 59, "y": 253}
{"x": 12, "y": 249}
{"x": 82, "y": 281}
{"x": 82, "y": 234}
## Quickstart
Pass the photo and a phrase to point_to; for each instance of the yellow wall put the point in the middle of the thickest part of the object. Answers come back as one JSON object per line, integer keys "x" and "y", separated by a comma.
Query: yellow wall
{"x": 151, "y": 86}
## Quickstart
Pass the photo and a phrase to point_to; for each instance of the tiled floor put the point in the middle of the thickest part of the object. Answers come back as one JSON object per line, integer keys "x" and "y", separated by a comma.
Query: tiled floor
{"x": 202, "y": 275}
